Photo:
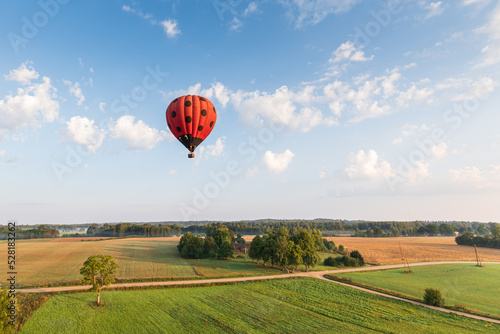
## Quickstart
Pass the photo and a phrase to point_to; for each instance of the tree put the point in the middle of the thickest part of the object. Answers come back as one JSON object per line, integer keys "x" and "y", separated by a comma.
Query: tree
{"x": 306, "y": 242}
{"x": 269, "y": 248}
{"x": 93, "y": 229}
{"x": 495, "y": 230}
{"x": 330, "y": 245}
{"x": 210, "y": 248}
{"x": 256, "y": 247}
{"x": 194, "y": 249}
{"x": 482, "y": 230}
{"x": 433, "y": 297}
{"x": 432, "y": 229}
{"x": 378, "y": 232}
{"x": 281, "y": 251}
{"x": 293, "y": 255}
{"x": 446, "y": 229}
{"x": 239, "y": 239}
{"x": 220, "y": 235}
{"x": 226, "y": 250}
{"x": 99, "y": 271}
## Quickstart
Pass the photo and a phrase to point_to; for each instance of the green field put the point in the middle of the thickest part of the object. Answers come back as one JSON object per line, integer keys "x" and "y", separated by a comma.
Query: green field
{"x": 304, "y": 305}
{"x": 58, "y": 261}
{"x": 462, "y": 284}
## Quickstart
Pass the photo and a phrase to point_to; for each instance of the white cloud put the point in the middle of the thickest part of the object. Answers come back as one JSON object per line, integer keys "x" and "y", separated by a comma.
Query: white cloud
{"x": 76, "y": 91}
{"x": 277, "y": 162}
{"x": 479, "y": 3}
{"x": 172, "y": 172}
{"x": 23, "y": 74}
{"x": 235, "y": 24}
{"x": 491, "y": 52}
{"x": 415, "y": 95}
{"x": 138, "y": 135}
{"x": 252, "y": 171}
{"x": 478, "y": 88}
{"x": 2, "y": 153}
{"x": 171, "y": 28}
{"x": 83, "y": 131}
{"x": 349, "y": 52}
{"x": 311, "y": 12}
{"x": 281, "y": 108}
{"x": 434, "y": 9}
{"x": 101, "y": 106}
{"x": 322, "y": 175}
{"x": 252, "y": 8}
{"x": 473, "y": 176}
{"x": 323, "y": 104}
{"x": 28, "y": 105}
{"x": 410, "y": 130}
{"x": 216, "y": 150}
{"x": 439, "y": 151}
{"x": 217, "y": 91}
{"x": 368, "y": 166}
{"x": 139, "y": 13}
{"x": 419, "y": 172}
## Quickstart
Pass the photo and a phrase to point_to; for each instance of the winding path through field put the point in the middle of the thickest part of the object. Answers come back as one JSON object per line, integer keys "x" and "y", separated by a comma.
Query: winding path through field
{"x": 314, "y": 274}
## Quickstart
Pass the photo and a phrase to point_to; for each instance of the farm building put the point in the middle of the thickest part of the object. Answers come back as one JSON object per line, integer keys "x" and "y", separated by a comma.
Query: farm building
{"x": 241, "y": 248}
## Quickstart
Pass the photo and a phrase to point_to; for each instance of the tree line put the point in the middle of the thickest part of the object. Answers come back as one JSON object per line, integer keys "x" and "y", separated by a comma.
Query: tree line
{"x": 469, "y": 239}
{"x": 34, "y": 233}
{"x": 131, "y": 229}
{"x": 217, "y": 244}
{"x": 288, "y": 248}
{"x": 356, "y": 228}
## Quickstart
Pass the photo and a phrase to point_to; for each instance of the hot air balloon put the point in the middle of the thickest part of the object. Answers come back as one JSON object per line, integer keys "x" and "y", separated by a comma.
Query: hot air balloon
{"x": 191, "y": 118}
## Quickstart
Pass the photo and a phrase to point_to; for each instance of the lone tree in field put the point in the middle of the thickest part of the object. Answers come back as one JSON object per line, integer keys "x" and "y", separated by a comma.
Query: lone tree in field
{"x": 433, "y": 297}
{"x": 99, "y": 270}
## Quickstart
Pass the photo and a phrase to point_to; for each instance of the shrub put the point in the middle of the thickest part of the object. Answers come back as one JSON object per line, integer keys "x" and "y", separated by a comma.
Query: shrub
{"x": 342, "y": 261}
{"x": 433, "y": 297}
{"x": 330, "y": 262}
{"x": 357, "y": 255}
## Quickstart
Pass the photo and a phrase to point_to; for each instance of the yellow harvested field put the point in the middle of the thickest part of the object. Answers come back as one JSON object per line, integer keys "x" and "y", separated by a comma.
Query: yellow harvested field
{"x": 417, "y": 249}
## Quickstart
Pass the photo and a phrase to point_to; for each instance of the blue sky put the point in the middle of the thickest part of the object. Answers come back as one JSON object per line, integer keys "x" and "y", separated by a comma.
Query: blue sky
{"x": 343, "y": 109}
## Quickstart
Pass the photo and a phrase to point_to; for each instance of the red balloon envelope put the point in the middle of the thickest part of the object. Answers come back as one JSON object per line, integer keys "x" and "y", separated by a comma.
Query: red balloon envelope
{"x": 191, "y": 118}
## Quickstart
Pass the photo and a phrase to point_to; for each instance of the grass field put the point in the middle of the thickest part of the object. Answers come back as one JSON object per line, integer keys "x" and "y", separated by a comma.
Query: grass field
{"x": 58, "y": 261}
{"x": 462, "y": 284}
{"x": 417, "y": 249}
{"x": 304, "y": 305}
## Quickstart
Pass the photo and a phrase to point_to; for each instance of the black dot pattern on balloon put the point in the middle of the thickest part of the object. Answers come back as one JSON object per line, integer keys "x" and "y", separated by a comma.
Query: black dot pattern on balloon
{"x": 188, "y": 104}
{"x": 174, "y": 114}
{"x": 175, "y": 100}
{"x": 202, "y": 98}
{"x": 169, "y": 126}
{"x": 200, "y": 128}
{"x": 214, "y": 110}
{"x": 188, "y": 119}
{"x": 204, "y": 112}
{"x": 178, "y": 129}
{"x": 211, "y": 123}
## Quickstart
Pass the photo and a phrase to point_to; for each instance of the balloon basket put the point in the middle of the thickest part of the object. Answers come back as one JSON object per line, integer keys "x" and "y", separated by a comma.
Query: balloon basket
{"x": 191, "y": 155}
